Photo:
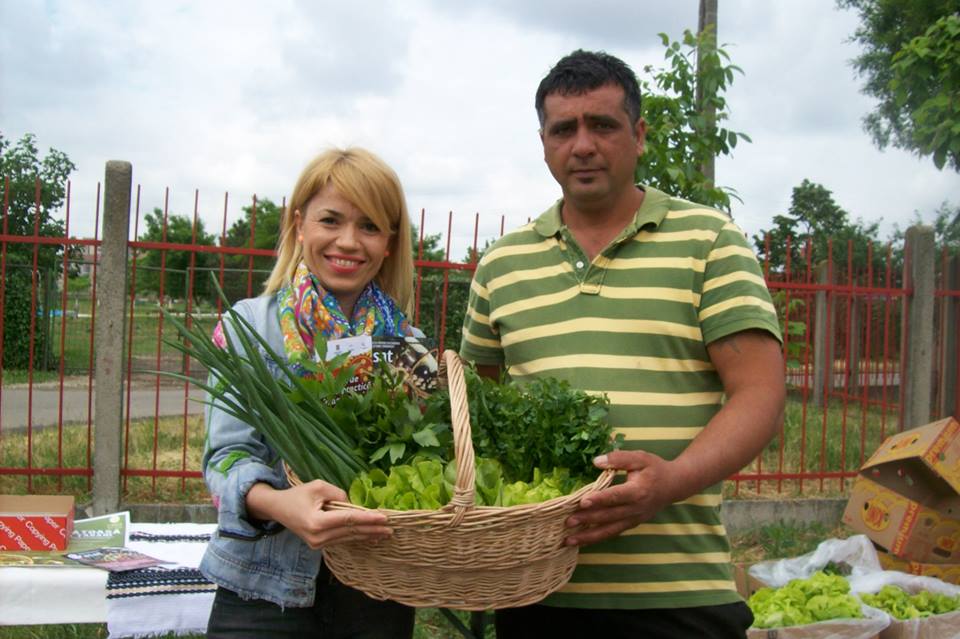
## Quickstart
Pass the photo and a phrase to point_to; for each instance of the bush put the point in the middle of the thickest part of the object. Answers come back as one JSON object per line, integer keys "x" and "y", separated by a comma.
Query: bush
{"x": 16, "y": 322}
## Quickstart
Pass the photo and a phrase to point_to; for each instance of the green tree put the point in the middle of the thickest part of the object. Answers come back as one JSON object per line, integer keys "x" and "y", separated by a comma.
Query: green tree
{"x": 815, "y": 217}
{"x": 431, "y": 285}
{"x": 432, "y": 251}
{"x": 432, "y": 280}
{"x": 679, "y": 136}
{"x": 911, "y": 65}
{"x": 946, "y": 229}
{"x": 35, "y": 189}
{"x": 264, "y": 218}
{"x": 926, "y": 82}
{"x": 174, "y": 266}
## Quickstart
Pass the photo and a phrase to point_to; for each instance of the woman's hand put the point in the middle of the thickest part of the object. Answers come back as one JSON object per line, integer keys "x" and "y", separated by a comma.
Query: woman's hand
{"x": 300, "y": 509}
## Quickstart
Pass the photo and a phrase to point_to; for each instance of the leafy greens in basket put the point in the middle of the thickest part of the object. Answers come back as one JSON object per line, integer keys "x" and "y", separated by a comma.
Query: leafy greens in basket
{"x": 386, "y": 447}
{"x": 533, "y": 442}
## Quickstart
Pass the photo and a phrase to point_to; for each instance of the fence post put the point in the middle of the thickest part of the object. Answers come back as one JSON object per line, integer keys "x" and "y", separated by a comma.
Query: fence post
{"x": 949, "y": 316}
{"x": 109, "y": 342}
{"x": 822, "y": 333}
{"x": 916, "y": 367}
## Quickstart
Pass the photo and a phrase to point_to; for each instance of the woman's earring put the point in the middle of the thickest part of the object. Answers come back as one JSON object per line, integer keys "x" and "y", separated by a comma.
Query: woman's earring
{"x": 386, "y": 253}
{"x": 300, "y": 239}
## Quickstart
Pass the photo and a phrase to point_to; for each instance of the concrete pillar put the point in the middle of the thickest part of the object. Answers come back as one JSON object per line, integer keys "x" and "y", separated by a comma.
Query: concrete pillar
{"x": 109, "y": 343}
{"x": 949, "y": 318}
{"x": 823, "y": 333}
{"x": 916, "y": 362}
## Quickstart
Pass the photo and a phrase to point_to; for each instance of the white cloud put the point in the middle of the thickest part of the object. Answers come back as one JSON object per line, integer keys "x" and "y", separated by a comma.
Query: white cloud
{"x": 221, "y": 97}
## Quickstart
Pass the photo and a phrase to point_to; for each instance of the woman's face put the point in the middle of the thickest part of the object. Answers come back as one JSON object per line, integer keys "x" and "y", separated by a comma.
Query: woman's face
{"x": 342, "y": 247}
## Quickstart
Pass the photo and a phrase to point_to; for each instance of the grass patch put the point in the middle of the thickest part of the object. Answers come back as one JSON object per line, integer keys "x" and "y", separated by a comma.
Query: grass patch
{"x": 143, "y": 345}
{"x": 781, "y": 540}
{"x": 64, "y": 631}
{"x": 68, "y": 448}
{"x": 21, "y": 376}
{"x": 70, "y": 338}
{"x": 813, "y": 441}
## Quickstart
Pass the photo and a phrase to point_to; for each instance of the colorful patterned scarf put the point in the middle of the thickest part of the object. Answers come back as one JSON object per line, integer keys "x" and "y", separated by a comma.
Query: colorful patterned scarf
{"x": 306, "y": 310}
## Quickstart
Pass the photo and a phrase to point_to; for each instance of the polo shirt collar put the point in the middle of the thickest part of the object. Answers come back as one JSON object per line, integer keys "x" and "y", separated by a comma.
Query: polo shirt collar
{"x": 654, "y": 208}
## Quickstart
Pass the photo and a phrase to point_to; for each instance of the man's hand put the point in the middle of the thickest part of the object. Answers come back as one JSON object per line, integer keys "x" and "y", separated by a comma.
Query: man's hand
{"x": 750, "y": 367}
{"x": 609, "y": 512}
{"x": 300, "y": 508}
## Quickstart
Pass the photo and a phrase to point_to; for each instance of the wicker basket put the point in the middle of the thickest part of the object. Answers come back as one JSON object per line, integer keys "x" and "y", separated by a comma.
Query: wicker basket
{"x": 464, "y": 556}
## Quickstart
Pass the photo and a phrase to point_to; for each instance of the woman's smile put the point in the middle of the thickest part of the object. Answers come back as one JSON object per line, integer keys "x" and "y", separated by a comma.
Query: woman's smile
{"x": 341, "y": 245}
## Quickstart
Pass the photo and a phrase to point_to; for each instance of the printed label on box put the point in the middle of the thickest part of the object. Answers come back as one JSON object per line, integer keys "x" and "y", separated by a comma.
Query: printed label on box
{"x": 35, "y": 522}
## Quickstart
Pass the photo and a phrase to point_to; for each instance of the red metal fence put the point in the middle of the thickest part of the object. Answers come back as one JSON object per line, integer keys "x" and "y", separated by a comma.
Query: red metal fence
{"x": 844, "y": 323}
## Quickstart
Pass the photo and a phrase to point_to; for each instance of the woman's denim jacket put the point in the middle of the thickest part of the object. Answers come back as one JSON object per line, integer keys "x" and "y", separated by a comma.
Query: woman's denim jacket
{"x": 255, "y": 559}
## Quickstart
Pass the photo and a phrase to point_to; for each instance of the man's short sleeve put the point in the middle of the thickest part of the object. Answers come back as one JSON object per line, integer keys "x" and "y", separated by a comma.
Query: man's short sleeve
{"x": 734, "y": 296}
{"x": 480, "y": 342}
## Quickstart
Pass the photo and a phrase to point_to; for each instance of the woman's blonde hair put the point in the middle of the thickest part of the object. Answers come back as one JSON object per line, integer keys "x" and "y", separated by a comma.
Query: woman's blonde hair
{"x": 367, "y": 182}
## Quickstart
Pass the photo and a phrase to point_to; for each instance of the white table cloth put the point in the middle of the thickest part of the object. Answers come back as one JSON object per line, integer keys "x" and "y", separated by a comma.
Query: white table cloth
{"x": 54, "y": 595}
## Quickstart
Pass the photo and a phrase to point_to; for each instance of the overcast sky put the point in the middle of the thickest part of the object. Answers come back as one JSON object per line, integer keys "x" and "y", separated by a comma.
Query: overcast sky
{"x": 237, "y": 96}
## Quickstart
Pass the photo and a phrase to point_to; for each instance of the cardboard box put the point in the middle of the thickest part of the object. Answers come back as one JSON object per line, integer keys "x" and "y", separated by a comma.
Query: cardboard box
{"x": 907, "y": 496}
{"x": 35, "y": 522}
{"x": 746, "y": 583}
{"x": 944, "y": 572}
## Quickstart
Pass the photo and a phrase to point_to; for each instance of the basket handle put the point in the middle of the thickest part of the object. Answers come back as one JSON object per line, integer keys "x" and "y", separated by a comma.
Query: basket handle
{"x": 464, "y": 492}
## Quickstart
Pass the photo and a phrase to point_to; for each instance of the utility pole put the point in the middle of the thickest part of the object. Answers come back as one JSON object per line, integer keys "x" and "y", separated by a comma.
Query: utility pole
{"x": 708, "y": 47}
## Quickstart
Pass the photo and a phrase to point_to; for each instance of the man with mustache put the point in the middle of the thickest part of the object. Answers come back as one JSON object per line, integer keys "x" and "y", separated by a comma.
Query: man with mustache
{"x": 660, "y": 304}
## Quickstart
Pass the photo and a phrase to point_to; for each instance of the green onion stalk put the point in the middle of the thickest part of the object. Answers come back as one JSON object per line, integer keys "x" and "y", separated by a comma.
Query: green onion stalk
{"x": 289, "y": 411}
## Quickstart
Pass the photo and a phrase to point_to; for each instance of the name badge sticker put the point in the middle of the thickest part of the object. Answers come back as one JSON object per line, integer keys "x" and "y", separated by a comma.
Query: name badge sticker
{"x": 359, "y": 345}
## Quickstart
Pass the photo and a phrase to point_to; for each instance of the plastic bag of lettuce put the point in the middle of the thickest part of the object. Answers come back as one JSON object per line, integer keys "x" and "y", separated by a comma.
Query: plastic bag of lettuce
{"x": 899, "y": 604}
{"x": 817, "y": 607}
{"x": 922, "y": 607}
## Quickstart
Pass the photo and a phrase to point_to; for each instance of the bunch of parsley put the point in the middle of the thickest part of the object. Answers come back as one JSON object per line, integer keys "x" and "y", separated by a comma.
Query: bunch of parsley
{"x": 391, "y": 427}
{"x": 542, "y": 424}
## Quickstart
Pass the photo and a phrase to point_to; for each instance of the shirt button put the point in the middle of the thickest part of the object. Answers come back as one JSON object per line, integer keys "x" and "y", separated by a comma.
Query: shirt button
{"x": 579, "y": 264}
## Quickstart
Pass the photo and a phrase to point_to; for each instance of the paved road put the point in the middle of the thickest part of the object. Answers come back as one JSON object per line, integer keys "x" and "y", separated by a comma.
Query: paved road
{"x": 46, "y": 404}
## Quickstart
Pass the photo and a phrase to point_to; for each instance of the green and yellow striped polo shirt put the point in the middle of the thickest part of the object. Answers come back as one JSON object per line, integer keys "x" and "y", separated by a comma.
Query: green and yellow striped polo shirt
{"x": 634, "y": 323}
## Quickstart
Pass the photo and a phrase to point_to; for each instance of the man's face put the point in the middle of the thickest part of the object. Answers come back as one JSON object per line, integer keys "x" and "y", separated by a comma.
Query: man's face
{"x": 590, "y": 145}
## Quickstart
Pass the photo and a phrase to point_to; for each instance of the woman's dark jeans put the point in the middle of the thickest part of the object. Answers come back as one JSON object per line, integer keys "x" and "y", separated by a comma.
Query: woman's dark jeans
{"x": 338, "y": 612}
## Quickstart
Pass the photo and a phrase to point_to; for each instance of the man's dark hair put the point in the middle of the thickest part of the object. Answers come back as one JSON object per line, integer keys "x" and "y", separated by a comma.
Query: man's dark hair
{"x": 583, "y": 71}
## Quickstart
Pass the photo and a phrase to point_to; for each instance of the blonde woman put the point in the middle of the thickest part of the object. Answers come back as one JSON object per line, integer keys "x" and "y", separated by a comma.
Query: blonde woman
{"x": 344, "y": 268}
